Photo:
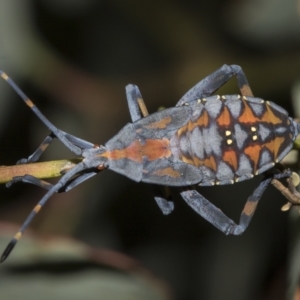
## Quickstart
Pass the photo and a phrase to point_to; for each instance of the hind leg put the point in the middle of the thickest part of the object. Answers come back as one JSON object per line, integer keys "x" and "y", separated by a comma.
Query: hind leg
{"x": 214, "y": 81}
{"x": 217, "y": 218}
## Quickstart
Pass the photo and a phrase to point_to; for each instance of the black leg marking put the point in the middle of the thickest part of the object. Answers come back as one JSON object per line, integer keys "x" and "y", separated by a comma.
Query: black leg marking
{"x": 217, "y": 218}
{"x": 214, "y": 81}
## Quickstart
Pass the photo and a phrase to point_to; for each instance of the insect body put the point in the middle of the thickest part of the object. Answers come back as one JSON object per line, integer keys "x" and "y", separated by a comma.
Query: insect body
{"x": 216, "y": 140}
{"x": 203, "y": 140}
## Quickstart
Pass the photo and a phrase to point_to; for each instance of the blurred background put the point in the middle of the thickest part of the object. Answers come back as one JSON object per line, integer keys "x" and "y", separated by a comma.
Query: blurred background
{"x": 74, "y": 59}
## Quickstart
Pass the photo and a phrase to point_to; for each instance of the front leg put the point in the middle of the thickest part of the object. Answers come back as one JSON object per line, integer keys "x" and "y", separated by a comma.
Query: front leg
{"x": 217, "y": 218}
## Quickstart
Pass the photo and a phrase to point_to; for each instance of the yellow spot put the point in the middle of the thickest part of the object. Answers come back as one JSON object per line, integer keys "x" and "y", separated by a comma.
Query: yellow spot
{"x": 253, "y": 129}
{"x": 245, "y": 98}
{"x": 4, "y": 76}
{"x": 254, "y": 137}
{"x": 18, "y": 235}
{"x": 37, "y": 208}
{"x": 223, "y": 97}
{"x": 229, "y": 142}
{"x": 227, "y": 132}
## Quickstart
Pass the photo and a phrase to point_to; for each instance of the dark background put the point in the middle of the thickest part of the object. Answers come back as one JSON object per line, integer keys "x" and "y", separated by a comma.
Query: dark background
{"x": 74, "y": 58}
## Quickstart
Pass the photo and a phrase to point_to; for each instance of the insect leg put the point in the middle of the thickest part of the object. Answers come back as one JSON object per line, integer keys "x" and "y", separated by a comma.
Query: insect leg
{"x": 138, "y": 110}
{"x": 30, "y": 179}
{"x": 54, "y": 189}
{"x": 214, "y": 81}
{"x": 82, "y": 144}
{"x": 133, "y": 94}
{"x": 54, "y": 130}
{"x": 217, "y": 218}
{"x": 47, "y": 185}
{"x": 163, "y": 201}
{"x": 38, "y": 152}
{"x": 290, "y": 192}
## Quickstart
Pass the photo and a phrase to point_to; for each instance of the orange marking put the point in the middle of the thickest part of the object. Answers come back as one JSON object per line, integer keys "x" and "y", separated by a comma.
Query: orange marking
{"x": 43, "y": 147}
{"x": 4, "y": 76}
{"x": 197, "y": 162}
{"x": 167, "y": 172}
{"x": 203, "y": 119}
{"x": 37, "y": 208}
{"x": 155, "y": 149}
{"x": 270, "y": 117}
{"x": 247, "y": 115}
{"x": 182, "y": 130}
{"x": 29, "y": 103}
{"x": 152, "y": 150}
{"x": 133, "y": 152}
{"x": 230, "y": 158}
{"x": 224, "y": 118}
{"x": 161, "y": 124}
{"x": 274, "y": 145}
{"x": 210, "y": 163}
{"x": 250, "y": 208}
{"x": 18, "y": 235}
{"x": 253, "y": 152}
{"x": 246, "y": 91}
{"x": 143, "y": 107}
{"x": 187, "y": 160}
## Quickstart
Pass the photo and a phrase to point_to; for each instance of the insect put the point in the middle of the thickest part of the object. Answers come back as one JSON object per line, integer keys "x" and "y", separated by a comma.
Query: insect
{"x": 204, "y": 140}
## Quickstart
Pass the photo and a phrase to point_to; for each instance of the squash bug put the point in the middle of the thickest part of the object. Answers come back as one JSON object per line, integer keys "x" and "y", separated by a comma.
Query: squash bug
{"x": 204, "y": 140}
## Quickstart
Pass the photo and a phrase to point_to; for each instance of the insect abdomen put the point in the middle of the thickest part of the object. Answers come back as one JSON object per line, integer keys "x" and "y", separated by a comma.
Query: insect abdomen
{"x": 230, "y": 138}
